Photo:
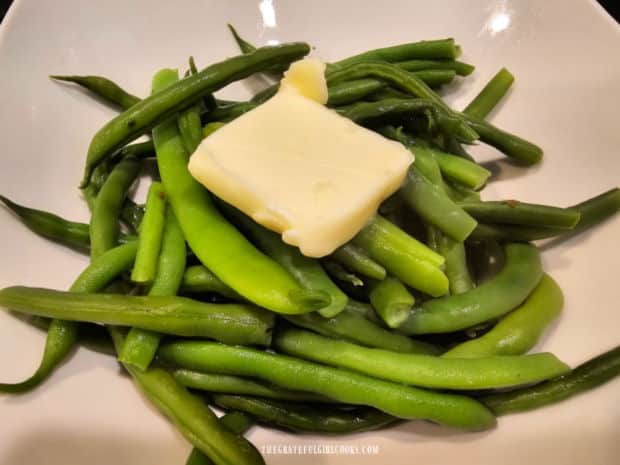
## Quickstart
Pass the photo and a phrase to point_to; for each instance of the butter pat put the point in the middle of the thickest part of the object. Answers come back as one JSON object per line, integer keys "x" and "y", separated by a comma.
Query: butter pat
{"x": 299, "y": 168}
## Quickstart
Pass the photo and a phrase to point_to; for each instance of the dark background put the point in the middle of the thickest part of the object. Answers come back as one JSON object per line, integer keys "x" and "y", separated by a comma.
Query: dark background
{"x": 612, "y": 6}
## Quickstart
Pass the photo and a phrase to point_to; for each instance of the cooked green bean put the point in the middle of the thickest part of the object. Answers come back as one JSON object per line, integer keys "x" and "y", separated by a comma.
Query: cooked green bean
{"x": 190, "y": 125}
{"x": 361, "y": 111}
{"x": 246, "y": 47}
{"x": 104, "y": 222}
{"x": 591, "y": 212}
{"x": 141, "y": 345}
{"x": 431, "y": 49}
{"x": 435, "y": 207}
{"x": 158, "y": 107}
{"x": 496, "y": 297}
{"x": 150, "y": 236}
{"x": 51, "y": 226}
{"x": 235, "y": 260}
{"x": 339, "y": 273}
{"x": 356, "y": 260}
{"x": 456, "y": 268}
{"x": 190, "y": 415}
{"x": 462, "y": 69}
{"x": 227, "y": 384}
{"x": 229, "y": 112}
{"x": 103, "y": 88}
{"x": 307, "y": 271}
{"x": 198, "y": 278}
{"x": 490, "y": 95}
{"x": 403, "y": 80}
{"x": 132, "y": 214}
{"x": 392, "y": 301}
{"x": 403, "y": 256}
{"x": 352, "y": 326}
{"x": 421, "y": 370}
{"x": 344, "y": 386}
{"x": 515, "y": 147}
{"x": 235, "y": 422}
{"x": 307, "y": 418}
{"x": 458, "y": 169}
{"x": 519, "y": 331}
{"x": 62, "y": 335}
{"x": 526, "y": 214}
{"x": 230, "y": 323}
{"x": 346, "y": 92}
{"x": 586, "y": 376}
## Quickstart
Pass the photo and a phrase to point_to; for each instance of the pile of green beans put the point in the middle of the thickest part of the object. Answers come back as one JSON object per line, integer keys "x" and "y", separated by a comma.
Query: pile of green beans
{"x": 201, "y": 305}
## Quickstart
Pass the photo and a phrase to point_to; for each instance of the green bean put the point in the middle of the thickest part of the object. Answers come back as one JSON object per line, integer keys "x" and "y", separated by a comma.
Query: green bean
{"x": 104, "y": 225}
{"x": 230, "y": 323}
{"x": 526, "y": 214}
{"x": 235, "y": 260}
{"x": 190, "y": 415}
{"x": 230, "y": 112}
{"x": 456, "y": 264}
{"x": 351, "y": 91}
{"x": 458, "y": 169}
{"x": 361, "y": 111}
{"x": 228, "y": 384}
{"x": 235, "y": 422}
{"x": 140, "y": 345}
{"x": 591, "y": 212}
{"x": 132, "y": 214}
{"x": 197, "y": 279}
{"x": 392, "y": 301}
{"x": 103, "y": 88}
{"x": 435, "y": 77}
{"x": 435, "y": 207}
{"x": 403, "y": 256}
{"x": 496, "y": 297}
{"x": 490, "y": 95}
{"x": 307, "y": 271}
{"x": 453, "y": 146}
{"x": 190, "y": 125}
{"x": 306, "y": 418}
{"x": 355, "y": 259}
{"x": 150, "y": 236}
{"x": 586, "y": 376}
{"x": 158, "y": 107}
{"x": 210, "y": 128}
{"x": 62, "y": 335}
{"x": 339, "y": 273}
{"x": 347, "y": 387}
{"x": 462, "y": 69}
{"x": 406, "y": 81}
{"x": 353, "y": 326}
{"x": 518, "y": 149}
{"x": 246, "y": 47}
{"x": 431, "y": 49}
{"x": 519, "y": 331}
{"x": 51, "y": 226}
{"x": 421, "y": 370}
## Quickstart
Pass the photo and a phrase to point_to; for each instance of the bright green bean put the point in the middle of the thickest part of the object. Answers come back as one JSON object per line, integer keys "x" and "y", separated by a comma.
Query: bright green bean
{"x": 344, "y": 386}
{"x": 456, "y": 268}
{"x": 356, "y": 260}
{"x": 490, "y": 95}
{"x": 227, "y": 384}
{"x": 197, "y": 279}
{"x": 392, "y": 301}
{"x": 496, "y": 297}
{"x": 519, "y": 331}
{"x": 421, "y": 370}
{"x": 234, "y": 260}
{"x": 150, "y": 236}
{"x": 230, "y": 323}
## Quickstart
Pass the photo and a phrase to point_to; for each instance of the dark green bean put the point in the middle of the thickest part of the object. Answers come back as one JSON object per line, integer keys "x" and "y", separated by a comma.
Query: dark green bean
{"x": 504, "y": 292}
{"x": 421, "y": 370}
{"x": 230, "y": 323}
{"x": 51, "y": 226}
{"x": 132, "y": 214}
{"x": 462, "y": 69}
{"x": 103, "y": 88}
{"x": 355, "y": 259}
{"x": 352, "y": 326}
{"x": 190, "y": 415}
{"x": 339, "y": 273}
{"x": 350, "y": 91}
{"x": 341, "y": 385}
{"x": 104, "y": 223}
{"x": 226, "y": 113}
{"x": 526, "y": 214}
{"x": 306, "y": 418}
{"x": 586, "y": 376}
{"x": 490, "y": 95}
{"x": 154, "y": 109}
{"x": 246, "y": 47}
{"x": 227, "y": 384}
{"x": 62, "y": 335}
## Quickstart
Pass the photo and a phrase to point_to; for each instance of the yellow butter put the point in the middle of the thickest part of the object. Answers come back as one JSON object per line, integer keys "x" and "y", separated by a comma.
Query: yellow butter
{"x": 299, "y": 168}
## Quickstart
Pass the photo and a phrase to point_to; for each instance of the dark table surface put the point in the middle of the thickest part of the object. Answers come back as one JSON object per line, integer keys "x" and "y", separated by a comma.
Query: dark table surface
{"x": 612, "y": 7}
